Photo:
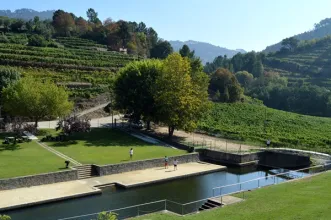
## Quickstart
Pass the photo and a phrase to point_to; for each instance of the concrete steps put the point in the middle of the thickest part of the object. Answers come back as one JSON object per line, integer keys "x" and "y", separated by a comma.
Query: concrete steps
{"x": 85, "y": 171}
{"x": 210, "y": 204}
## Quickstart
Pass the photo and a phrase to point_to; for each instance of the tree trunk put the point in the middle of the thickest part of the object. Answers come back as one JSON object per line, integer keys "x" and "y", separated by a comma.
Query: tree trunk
{"x": 148, "y": 124}
{"x": 36, "y": 123}
{"x": 171, "y": 130}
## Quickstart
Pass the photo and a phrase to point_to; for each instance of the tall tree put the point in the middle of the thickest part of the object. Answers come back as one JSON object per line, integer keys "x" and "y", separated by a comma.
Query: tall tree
{"x": 179, "y": 105}
{"x": 161, "y": 50}
{"x": 186, "y": 52}
{"x": 92, "y": 15}
{"x": 290, "y": 43}
{"x": 135, "y": 87}
{"x": 7, "y": 77}
{"x": 257, "y": 69}
{"x": 225, "y": 82}
{"x": 36, "y": 100}
{"x": 63, "y": 22}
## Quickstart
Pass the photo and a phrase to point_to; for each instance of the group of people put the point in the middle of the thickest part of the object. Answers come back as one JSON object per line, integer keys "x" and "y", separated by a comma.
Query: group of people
{"x": 166, "y": 160}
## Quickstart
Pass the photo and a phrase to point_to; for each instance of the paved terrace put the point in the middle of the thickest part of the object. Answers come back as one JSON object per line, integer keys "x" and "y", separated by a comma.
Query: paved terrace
{"x": 22, "y": 197}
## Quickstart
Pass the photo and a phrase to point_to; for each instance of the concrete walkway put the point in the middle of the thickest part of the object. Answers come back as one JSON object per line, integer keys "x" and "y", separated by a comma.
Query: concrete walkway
{"x": 227, "y": 200}
{"x": 59, "y": 154}
{"x": 59, "y": 191}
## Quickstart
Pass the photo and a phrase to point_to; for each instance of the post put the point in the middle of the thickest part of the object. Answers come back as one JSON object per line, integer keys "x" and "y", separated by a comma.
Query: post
{"x": 165, "y": 205}
{"x": 258, "y": 183}
{"x": 138, "y": 210}
{"x": 182, "y": 209}
{"x": 226, "y": 146}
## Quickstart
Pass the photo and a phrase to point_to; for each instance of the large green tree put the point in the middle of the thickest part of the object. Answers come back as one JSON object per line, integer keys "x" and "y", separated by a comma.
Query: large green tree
{"x": 135, "y": 87}
{"x": 180, "y": 100}
{"x": 161, "y": 50}
{"x": 224, "y": 83}
{"x": 92, "y": 16}
{"x": 36, "y": 100}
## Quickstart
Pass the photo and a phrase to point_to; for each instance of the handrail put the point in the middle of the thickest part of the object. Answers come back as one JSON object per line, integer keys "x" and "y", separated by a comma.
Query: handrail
{"x": 275, "y": 175}
{"x": 182, "y": 205}
{"x": 128, "y": 207}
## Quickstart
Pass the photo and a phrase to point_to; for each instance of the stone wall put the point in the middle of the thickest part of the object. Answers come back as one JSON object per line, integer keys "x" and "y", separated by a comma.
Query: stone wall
{"x": 284, "y": 160}
{"x": 143, "y": 164}
{"x": 229, "y": 158}
{"x": 36, "y": 180}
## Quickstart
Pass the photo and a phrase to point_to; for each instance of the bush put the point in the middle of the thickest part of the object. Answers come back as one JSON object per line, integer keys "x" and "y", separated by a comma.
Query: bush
{"x": 37, "y": 41}
{"x": 4, "y": 217}
{"x": 3, "y": 39}
{"x": 52, "y": 44}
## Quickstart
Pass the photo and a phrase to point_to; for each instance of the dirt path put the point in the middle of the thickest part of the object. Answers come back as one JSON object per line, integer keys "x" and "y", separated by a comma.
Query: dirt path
{"x": 196, "y": 139}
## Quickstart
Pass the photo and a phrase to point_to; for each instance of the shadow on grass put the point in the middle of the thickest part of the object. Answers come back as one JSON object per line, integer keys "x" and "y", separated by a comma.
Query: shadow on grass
{"x": 11, "y": 147}
{"x": 103, "y": 137}
{"x": 64, "y": 143}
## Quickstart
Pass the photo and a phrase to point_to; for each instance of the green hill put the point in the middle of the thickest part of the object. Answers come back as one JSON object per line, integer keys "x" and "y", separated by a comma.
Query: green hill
{"x": 310, "y": 63}
{"x": 84, "y": 63}
{"x": 255, "y": 124}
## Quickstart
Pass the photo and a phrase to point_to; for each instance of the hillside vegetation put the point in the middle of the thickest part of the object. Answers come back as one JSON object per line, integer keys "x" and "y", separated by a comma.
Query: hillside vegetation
{"x": 256, "y": 123}
{"x": 320, "y": 30}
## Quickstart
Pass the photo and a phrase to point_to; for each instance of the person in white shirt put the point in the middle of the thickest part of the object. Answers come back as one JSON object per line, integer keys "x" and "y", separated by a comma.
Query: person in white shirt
{"x": 175, "y": 164}
{"x": 131, "y": 153}
{"x": 268, "y": 143}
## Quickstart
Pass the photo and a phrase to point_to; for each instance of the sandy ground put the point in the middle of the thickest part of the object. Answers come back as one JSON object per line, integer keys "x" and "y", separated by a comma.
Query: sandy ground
{"x": 195, "y": 139}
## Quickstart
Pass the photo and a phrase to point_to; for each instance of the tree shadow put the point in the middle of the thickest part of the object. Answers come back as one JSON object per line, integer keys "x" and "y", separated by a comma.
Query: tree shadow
{"x": 11, "y": 147}
{"x": 103, "y": 137}
{"x": 64, "y": 143}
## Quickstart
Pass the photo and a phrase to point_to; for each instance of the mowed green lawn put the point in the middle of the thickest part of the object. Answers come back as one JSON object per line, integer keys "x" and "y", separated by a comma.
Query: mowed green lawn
{"x": 304, "y": 199}
{"x": 105, "y": 146}
{"x": 27, "y": 159}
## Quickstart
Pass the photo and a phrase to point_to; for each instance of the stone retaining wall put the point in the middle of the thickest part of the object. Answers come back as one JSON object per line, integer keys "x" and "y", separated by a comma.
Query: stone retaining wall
{"x": 36, "y": 180}
{"x": 143, "y": 164}
{"x": 229, "y": 158}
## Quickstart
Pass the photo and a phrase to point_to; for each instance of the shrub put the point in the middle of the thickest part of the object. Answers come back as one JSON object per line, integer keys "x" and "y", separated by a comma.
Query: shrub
{"x": 3, "y": 39}
{"x": 4, "y": 217}
{"x": 37, "y": 41}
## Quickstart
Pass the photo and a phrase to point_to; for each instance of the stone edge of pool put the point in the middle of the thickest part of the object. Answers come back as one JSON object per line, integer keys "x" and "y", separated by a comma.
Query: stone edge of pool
{"x": 96, "y": 190}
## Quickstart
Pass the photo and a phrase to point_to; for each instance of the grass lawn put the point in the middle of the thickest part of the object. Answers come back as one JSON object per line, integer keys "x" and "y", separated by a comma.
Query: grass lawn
{"x": 304, "y": 199}
{"x": 105, "y": 146}
{"x": 27, "y": 159}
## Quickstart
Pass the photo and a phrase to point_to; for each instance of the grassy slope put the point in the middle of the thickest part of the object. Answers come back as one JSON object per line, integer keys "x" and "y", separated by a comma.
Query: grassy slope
{"x": 104, "y": 146}
{"x": 304, "y": 199}
{"x": 27, "y": 159}
{"x": 246, "y": 122}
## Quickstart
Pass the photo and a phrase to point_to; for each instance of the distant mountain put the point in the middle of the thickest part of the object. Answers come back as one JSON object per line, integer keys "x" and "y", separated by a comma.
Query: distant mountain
{"x": 321, "y": 29}
{"x": 207, "y": 52}
{"x": 27, "y": 14}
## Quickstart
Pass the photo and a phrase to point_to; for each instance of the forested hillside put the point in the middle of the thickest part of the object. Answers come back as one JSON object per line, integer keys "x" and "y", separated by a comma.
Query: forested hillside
{"x": 320, "y": 30}
{"x": 84, "y": 55}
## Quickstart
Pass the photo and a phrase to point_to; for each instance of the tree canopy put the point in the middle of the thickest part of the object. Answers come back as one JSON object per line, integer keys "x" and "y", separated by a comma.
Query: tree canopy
{"x": 161, "y": 50}
{"x": 135, "y": 88}
{"x": 225, "y": 86}
{"x": 36, "y": 100}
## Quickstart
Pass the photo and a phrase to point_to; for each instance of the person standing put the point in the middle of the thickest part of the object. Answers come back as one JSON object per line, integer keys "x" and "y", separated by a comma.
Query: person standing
{"x": 175, "y": 164}
{"x": 131, "y": 153}
{"x": 268, "y": 143}
{"x": 166, "y": 162}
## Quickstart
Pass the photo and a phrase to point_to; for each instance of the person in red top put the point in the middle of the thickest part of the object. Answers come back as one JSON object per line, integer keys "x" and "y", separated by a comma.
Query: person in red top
{"x": 166, "y": 162}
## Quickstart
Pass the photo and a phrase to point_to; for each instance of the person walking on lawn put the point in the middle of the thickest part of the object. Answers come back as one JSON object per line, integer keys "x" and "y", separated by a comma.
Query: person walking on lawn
{"x": 131, "y": 153}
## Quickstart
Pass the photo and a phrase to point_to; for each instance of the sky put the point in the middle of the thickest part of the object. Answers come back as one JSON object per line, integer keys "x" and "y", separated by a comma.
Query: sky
{"x": 234, "y": 24}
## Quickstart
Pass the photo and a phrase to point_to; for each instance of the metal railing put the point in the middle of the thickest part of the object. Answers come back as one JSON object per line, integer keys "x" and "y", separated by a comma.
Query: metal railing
{"x": 267, "y": 180}
{"x": 217, "y": 192}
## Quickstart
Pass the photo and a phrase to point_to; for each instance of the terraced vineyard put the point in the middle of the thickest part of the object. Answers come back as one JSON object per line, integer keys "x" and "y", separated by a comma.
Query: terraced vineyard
{"x": 255, "y": 124}
{"x": 79, "y": 61}
{"x": 312, "y": 65}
